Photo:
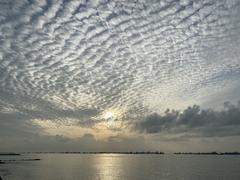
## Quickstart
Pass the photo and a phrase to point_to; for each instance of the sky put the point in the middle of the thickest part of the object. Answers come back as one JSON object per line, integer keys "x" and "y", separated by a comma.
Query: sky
{"x": 116, "y": 75}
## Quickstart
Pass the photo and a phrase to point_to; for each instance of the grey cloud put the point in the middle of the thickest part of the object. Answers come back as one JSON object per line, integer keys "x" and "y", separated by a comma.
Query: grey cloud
{"x": 18, "y": 122}
{"x": 26, "y": 108}
{"x": 16, "y": 115}
{"x": 61, "y": 138}
{"x": 87, "y": 142}
{"x": 195, "y": 122}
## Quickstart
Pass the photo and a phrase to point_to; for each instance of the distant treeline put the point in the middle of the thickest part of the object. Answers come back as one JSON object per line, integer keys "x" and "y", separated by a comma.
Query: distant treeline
{"x": 102, "y": 152}
{"x": 128, "y": 152}
{"x": 209, "y": 153}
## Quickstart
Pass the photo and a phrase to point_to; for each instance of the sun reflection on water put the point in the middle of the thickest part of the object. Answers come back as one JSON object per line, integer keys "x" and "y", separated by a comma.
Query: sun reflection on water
{"x": 109, "y": 167}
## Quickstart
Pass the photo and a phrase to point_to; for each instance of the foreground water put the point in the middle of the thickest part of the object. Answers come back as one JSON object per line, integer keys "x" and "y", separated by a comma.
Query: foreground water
{"x": 122, "y": 167}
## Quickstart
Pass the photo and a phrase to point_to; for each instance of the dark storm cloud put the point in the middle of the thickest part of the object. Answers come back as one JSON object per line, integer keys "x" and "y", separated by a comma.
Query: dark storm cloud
{"x": 195, "y": 122}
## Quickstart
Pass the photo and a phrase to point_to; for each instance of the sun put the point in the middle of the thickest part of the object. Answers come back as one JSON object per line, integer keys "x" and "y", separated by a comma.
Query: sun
{"x": 108, "y": 115}
{"x": 111, "y": 118}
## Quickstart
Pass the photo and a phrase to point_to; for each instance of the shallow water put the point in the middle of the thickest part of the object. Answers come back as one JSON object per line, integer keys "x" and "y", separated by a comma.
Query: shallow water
{"x": 121, "y": 167}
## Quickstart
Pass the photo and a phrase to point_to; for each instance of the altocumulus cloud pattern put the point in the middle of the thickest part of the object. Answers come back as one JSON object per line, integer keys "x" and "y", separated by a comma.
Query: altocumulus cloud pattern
{"x": 74, "y": 59}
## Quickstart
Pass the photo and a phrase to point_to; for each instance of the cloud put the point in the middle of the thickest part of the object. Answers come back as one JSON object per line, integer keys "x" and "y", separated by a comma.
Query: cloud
{"x": 62, "y": 60}
{"x": 194, "y": 122}
{"x": 115, "y": 54}
{"x": 27, "y": 108}
{"x": 60, "y": 143}
{"x": 17, "y": 115}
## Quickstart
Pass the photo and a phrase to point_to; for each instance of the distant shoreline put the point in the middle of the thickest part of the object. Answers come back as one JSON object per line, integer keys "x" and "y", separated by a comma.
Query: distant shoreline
{"x": 148, "y": 152}
{"x": 207, "y": 153}
{"x": 130, "y": 152}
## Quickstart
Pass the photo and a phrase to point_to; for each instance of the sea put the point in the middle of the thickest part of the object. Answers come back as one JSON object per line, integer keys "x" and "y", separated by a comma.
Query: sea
{"x": 121, "y": 167}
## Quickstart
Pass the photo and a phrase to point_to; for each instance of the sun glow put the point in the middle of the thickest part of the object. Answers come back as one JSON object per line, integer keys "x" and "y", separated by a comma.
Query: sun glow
{"x": 112, "y": 114}
{"x": 108, "y": 115}
{"x": 112, "y": 117}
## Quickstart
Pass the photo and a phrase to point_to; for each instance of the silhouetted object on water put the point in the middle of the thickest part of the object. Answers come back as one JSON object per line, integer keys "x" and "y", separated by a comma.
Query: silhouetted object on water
{"x": 13, "y": 160}
{"x": 1, "y": 162}
{"x": 9, "y": 154}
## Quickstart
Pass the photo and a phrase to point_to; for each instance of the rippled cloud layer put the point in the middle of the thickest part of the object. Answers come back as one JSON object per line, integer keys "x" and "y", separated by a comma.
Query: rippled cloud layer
{"x": 93, "y": 61}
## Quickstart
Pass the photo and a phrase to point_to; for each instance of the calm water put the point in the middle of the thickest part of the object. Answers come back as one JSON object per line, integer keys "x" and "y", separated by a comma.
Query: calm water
{"x": 122, "y": 167}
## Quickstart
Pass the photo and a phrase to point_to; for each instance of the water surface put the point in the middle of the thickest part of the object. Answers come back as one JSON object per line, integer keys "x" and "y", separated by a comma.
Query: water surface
{"x": 122, "y": 167}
